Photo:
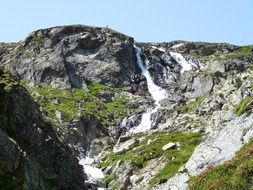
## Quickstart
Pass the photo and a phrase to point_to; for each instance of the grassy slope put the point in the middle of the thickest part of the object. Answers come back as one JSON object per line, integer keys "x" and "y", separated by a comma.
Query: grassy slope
{"x": 73, "y": 102}
{"x": 243, "y": 51}
{"x": 245, "y": 106}
{"x": 142, "y": 152}
{"x": 236, "y": 174}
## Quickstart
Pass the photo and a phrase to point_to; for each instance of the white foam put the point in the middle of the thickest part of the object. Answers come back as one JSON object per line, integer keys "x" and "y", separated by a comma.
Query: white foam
{"x": 186, "y": 66}
{"x": 93, "y": 174}
{"x": 159, "y": 48}
{"x": 156, "y": 92}
{"x": 146, "y": 121}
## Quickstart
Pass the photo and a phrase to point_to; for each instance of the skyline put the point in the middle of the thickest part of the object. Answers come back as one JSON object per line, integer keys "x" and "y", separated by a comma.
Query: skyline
{"x": 146, "y": 21}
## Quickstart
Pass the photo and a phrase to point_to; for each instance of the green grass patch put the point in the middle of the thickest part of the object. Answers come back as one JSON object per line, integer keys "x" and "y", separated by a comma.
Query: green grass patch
{"x": 243, "y": 51}
{"x": 232, "y": 175}
{"x": 100, "y": 100}
{"x": 191, "y": 106}
{"x": 142, "y": 152}
{"x": 245, "y": 106}
{"x": 37, "y": 40}
{"x": 7, "y": 81}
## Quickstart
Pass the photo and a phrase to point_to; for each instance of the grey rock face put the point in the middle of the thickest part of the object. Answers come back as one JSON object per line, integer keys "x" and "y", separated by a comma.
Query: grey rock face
{"x": 80, "y": 133}
{"x": 216, "y": 66}
{"x": 30, "y": 146}
{"x": 122, "y": 173}
{"x": 221, "y": 144}
{"x": 121, "y": 147}
{"x": 202, "y": 85}
{"x": 71, "y": 55}
{"x": 10, "y": 154}
{"x": 177, "y": 182}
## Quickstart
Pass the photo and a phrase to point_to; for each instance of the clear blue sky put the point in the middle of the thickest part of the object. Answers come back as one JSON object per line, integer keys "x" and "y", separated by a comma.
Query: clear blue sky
{"x": 146, "y": 20}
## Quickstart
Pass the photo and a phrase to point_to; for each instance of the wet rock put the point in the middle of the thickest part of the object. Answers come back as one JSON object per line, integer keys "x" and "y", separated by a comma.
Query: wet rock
{"x": 83, "y": 134}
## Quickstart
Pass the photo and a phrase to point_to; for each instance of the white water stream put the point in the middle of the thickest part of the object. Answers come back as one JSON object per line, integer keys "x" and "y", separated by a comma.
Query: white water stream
{"x": 94, "y": 174}
{"x": 186, "y": 65}
{"x": 156, "y": 92}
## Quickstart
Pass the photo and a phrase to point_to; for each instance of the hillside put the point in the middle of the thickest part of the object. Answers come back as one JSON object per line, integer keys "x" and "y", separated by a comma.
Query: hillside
{"x": 90, "y": 108}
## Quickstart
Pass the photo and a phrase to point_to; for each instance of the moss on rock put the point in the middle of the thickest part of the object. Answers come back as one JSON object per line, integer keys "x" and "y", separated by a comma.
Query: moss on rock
{"x": 245, "y": 106}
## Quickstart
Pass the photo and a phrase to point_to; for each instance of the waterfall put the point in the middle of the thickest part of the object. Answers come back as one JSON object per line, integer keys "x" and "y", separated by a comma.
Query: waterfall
{"x": 94, "y": 175}
{"x": 186, "y": 65}
{"x": 156, "y": 92}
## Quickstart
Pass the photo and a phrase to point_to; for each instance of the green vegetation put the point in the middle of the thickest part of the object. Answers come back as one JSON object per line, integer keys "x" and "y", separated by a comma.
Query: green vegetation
{"x": 191, "y": 107}
{"x": 243, "y": 51}
{"x": 249, "y": 67}
{"x": 115, "y": 186}
{"x": 102, "y": 101}
{"x": 37, "y": 40}
{"x": 233, "y": 175}
{"x": 21, "y": 48}
{"x": 7, "y": 81}
{"x": 142, "y": 152}
{"x": 245, "y": 106}
{"x": 108, "y": 178}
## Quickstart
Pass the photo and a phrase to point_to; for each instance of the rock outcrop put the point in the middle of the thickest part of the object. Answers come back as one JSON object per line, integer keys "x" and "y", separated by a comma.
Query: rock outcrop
{"x": 69, "y": 56}
{"x": 32, "y": 156}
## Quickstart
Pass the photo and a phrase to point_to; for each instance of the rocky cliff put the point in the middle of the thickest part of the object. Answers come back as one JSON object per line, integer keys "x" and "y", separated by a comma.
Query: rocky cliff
{"x": 80, "y": 93}
{"x": 32, "y": 155}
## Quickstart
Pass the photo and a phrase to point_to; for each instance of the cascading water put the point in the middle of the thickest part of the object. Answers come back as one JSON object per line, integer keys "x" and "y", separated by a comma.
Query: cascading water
{"x": 186, "y": 65}
{"x": 156, "y": 92}
{"x": 94, "y": 175}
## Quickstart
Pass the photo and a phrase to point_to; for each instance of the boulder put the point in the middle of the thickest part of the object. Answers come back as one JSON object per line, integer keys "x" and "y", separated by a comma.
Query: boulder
{"x": 214, "y": 66}
{"x": 202, "y": 85}
{"x": 169, "y": 146}
{"x": 122, "y": 147}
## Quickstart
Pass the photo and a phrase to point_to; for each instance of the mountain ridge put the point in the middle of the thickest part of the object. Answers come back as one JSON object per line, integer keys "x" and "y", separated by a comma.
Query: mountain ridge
{"x": 88, "y": 85}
